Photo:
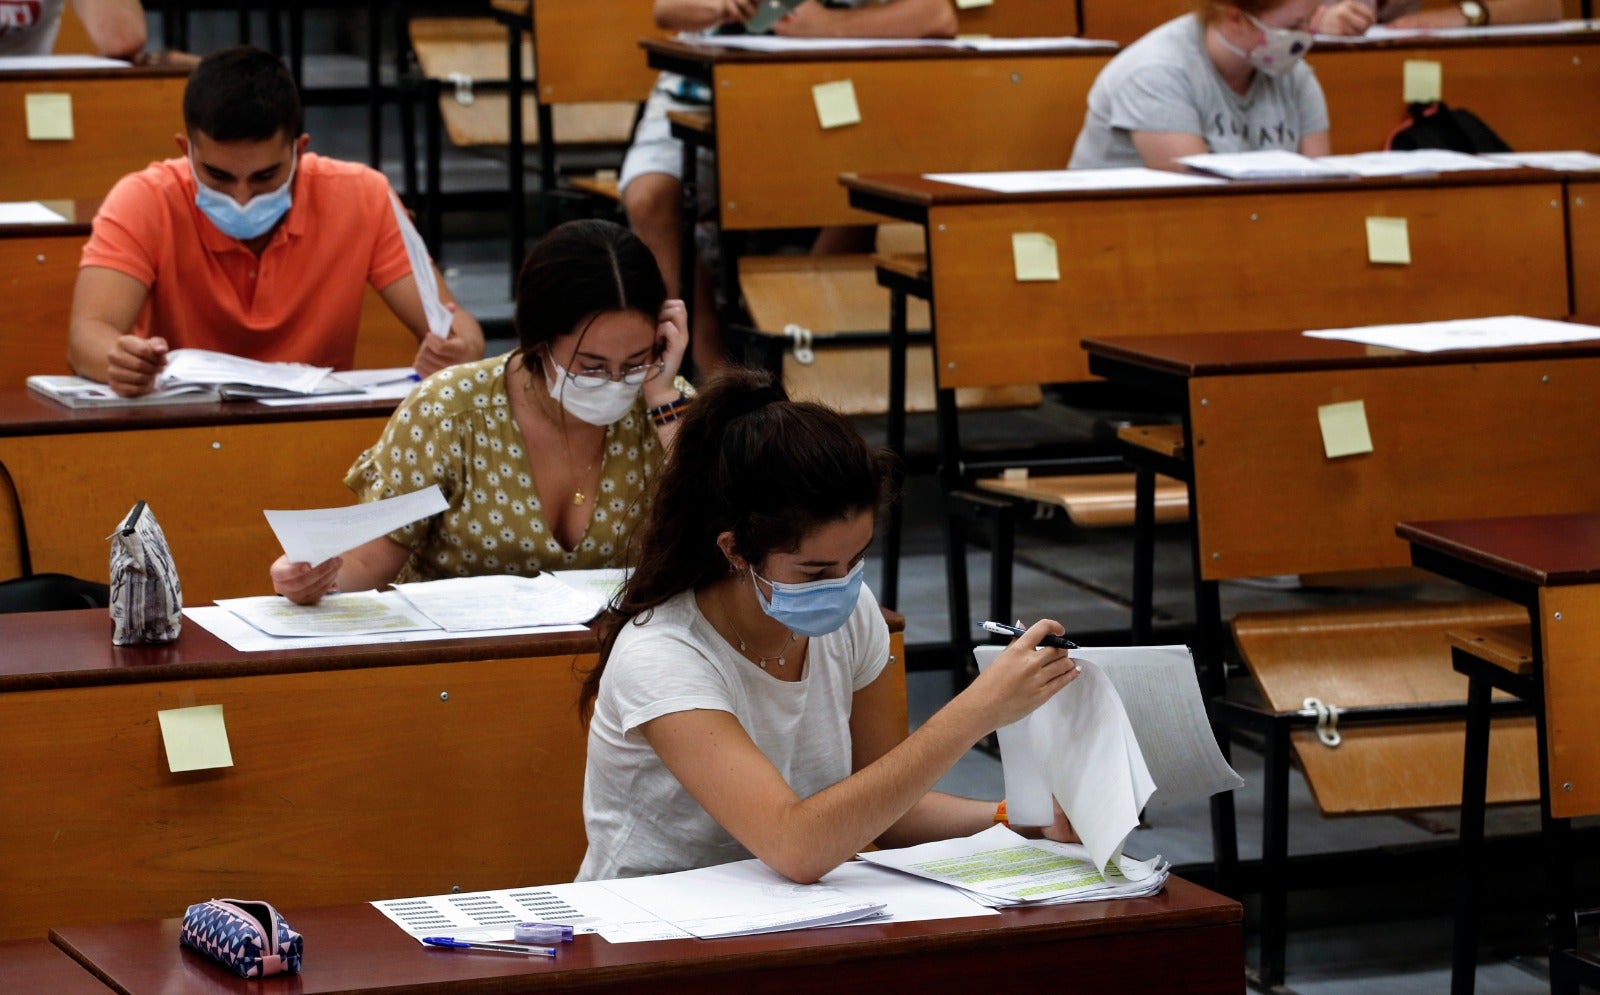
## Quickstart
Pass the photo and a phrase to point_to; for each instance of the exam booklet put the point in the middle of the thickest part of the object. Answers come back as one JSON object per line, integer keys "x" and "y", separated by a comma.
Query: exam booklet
{"x": 197, "y": 375}
{"x": 1267, "y": 164}
{"x": 79, "y": 392}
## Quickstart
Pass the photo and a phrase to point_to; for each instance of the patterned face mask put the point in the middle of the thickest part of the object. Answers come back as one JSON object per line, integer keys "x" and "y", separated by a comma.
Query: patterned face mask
{"x": 1278, "y": 52}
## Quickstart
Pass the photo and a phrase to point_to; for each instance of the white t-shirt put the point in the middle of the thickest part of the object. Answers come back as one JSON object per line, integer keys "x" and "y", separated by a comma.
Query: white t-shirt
{"x": 1166, "y": 81}
{"x": 639, "y": 819}
{"x": 28, "y": 27}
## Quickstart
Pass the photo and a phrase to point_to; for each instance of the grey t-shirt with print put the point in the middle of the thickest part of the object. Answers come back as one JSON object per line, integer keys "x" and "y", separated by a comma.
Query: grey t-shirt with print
{"x": 1166, "y": 81}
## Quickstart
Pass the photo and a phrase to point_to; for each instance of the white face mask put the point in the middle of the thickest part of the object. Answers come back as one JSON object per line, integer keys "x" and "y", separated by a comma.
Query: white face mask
{"x": 600, "y": 405}
{"x": 1278, "y": 52}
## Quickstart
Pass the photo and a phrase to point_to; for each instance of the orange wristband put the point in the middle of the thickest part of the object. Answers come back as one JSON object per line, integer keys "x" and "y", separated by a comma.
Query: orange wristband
{"x": 1000, "y": 813}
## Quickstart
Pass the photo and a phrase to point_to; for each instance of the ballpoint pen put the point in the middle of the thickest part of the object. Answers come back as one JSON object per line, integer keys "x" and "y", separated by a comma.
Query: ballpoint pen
{"x": 1000, "y": 628}
{"x": 505, "y": 948}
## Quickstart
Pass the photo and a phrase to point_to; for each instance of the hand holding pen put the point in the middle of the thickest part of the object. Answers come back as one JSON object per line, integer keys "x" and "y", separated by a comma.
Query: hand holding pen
{"x": 1022, "y": 676}
{"x": 1000, "y": 628}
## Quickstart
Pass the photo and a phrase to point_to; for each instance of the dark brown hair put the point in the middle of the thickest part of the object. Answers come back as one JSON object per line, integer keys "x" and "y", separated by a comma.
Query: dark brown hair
{"x": 581, "y": 269}
{"x": 749, "y": 461}
{"x": 242, "y": 94}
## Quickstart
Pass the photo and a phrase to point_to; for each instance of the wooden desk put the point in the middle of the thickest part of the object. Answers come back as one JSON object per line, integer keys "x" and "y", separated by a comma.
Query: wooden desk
{"x": 1147, "y": 262}
{"x": 1183, "y": 940}
{"x": 38, "y": 270}
{"x": 934, "y": 109}
{"x": 1124, "y": 22}
{"x": 1536, "y": 91}
{"x": 207, "y": 471}
{"x": 1549, "y": 564}
{"x": 41, "y": 966}
{"x": 1020, "y": 19}
{"x": 123, "y": 119}
{"x": 360, "y": 772}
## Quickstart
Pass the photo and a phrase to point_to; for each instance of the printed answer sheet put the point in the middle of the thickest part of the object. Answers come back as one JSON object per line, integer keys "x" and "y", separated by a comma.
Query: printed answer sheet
{"x": 315, "y": 535}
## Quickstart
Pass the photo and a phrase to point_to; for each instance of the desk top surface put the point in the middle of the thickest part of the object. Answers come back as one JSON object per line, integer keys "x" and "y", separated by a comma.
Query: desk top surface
{"x": 1236, "y": 353}
{"x": 697, "y": 55}
{"x": 67, "y": 75}
{"x": 78, "y": 215}
{"x": 920, "y": 193}
{"x": 356, "y": 949}
{"x": 40, "y": 966}
{"x": 46, "y": 650}
{"x": 1542, "y": 550}
{"x": 24, "y": 412}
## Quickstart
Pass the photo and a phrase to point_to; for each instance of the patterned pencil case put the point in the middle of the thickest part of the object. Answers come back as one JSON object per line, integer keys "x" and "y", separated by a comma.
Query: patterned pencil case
{"x": 249, "y": 938}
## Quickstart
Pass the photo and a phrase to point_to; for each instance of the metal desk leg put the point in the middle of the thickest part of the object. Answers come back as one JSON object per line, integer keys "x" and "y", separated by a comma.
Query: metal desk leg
{"x": 1274, "y": 857}
{"x": 896, "y": 438}
{"x": 1474, "y": 789}
{"x": 1144, "y": 554}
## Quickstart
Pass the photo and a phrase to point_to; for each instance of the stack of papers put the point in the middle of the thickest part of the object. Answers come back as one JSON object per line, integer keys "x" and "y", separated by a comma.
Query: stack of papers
{"x": 999, "y": 869}
{"x": 28, "y": 212}
{"x": 772, "y": 43}
{"x": 1268, "y": 164}
{"x": 1464, "y": 333}
{"x": 474, "y": 604}
{"x": 232, "y": 375}
{"x": 1058, "y": 180}
{"x": 1417, "y": 162}
{"x": 1571, "y": 161}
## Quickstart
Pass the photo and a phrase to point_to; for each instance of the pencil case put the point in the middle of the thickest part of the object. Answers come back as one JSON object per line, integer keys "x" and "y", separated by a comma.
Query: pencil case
{"x": 248, "y": 938}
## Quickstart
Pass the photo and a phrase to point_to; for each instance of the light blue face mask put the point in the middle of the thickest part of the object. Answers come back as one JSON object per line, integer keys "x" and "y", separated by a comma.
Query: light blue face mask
{"x": 813, "y": 609}
{"x": 251, "y": 219}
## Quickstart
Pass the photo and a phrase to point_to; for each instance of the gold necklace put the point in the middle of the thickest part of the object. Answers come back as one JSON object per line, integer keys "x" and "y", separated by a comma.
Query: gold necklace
{"x": 744, "y": 648}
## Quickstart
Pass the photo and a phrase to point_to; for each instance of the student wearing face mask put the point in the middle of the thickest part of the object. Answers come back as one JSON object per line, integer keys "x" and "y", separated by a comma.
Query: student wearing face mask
{"x": 246, "y": 243}
{"x": 1229, "y": 77}
{"x": 545, "y": 455}
{"x": 741, "y": 706}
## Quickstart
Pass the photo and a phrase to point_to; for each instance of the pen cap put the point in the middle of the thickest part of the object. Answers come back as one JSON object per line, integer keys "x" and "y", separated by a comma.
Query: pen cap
{"x": 1028, "y": 798}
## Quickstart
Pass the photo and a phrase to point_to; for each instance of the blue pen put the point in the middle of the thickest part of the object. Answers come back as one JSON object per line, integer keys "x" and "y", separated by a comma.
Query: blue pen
{"x": 1000, "y": 628}
{"x": 506, "y": 948}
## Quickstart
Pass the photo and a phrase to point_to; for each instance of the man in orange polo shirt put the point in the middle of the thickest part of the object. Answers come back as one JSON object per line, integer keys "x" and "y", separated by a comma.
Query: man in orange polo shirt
{"x": 247, "y": 244}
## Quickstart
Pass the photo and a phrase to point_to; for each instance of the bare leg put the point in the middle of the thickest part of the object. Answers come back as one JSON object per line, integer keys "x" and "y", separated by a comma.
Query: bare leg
{"x": 654, "y": 205}
{"x": 843, "y": 240}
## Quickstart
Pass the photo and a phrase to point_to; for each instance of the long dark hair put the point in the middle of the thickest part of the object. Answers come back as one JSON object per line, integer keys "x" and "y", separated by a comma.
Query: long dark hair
{"x": 578, "y": 270}
{"x": 749, "y": 461}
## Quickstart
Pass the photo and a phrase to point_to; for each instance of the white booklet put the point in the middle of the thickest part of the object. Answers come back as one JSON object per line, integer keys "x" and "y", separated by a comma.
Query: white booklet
{"x": 80, "y": 392}
{"x": 1267, "y": 164}
{"x": 238, "y": 377}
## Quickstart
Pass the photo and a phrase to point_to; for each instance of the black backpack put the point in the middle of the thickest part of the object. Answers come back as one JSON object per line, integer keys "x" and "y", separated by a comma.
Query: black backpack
{"x": 1438, "y": 126}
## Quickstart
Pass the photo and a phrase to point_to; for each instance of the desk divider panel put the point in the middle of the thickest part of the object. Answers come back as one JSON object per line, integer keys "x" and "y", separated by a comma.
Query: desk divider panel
{"x": 122, "y": 121}
{"x": 346, "y": 786}
{"x": 207, "y": 485}
{"x": 1536, "y": 95}
{"x": 1583, "y": 232}
{"x": 37, "y": 275}
{"x": 1124, "y": 21}
{"x": 1454, "y": 440}
{"x": 1020, "y": 19}
{"x": 961, "y": 113}
{"x": 586, "y": 51}
{"x": 1569, "y": 634}
{"x": 1170, "y": 264}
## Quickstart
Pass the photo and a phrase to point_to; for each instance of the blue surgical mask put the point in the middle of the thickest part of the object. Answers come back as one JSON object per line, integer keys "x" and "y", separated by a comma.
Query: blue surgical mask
{"x": 813, "y": 609}
{"x": 251, "y": 219}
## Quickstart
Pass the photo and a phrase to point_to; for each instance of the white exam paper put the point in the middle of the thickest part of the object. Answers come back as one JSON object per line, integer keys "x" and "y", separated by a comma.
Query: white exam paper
{"x": 34, "y": 63}
{"x": 313, "y": 536}
{"x": 246, "y": 638}
{"x": 468, "y": 604}
{"x": 1413, "y": 162}
{"x": 204, "y": 366}
{"x": 1464, "y": 333}
{"x": 1054, "y": 180}
{"x": 1265, "y": 164}
{"x": 355, "y": 613}
{"x": 739, "y": 899}
{"x": 439, "y": 316}
{"x": 1569, "y": 161}
{"x": 28, "y": 212}
{"x": 1379, "y": 32}
{"x": 906, "y": 898}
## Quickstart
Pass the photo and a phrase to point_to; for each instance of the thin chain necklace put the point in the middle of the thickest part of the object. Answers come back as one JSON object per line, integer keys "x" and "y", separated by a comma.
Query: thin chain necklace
{"x": 744, "y": 648}
{"x": 559, "y": 420}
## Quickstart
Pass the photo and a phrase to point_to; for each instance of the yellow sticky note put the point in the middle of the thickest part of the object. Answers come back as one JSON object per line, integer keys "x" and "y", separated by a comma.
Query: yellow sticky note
{"x": 969, "y": 4}
{"x": 196, "y": 738}
{"x": 836, "y": 103}
{"x": 49, "y": 116}
{"x": 1034, "y": 255}
{"x": 1424, "y": 81}
{"x": 1388, "y": 241}
{"x": 1344, "y": 429}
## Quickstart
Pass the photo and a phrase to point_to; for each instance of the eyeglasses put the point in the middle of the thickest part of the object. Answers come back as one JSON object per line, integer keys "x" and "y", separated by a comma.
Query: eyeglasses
{"x": 633, "y": 376}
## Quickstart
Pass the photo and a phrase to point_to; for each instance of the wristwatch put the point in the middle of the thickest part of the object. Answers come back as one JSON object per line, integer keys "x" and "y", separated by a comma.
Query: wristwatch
{"x": 1475, "y": 11}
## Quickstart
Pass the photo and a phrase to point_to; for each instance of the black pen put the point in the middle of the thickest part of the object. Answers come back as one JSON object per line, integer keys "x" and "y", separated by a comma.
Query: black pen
{"x": 1000, "y": 628}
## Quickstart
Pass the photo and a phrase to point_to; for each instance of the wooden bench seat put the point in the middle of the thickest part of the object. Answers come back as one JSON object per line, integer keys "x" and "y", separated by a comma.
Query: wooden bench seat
{"x": 1095, "y": 500}
{"x": 475, "y": 47}
{"x": 1509, "y": 647}
{"x": 1387, "y": 655}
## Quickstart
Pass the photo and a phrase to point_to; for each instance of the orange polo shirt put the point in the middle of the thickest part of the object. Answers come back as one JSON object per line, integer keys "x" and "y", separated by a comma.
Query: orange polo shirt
{"x": 300, "y": 301}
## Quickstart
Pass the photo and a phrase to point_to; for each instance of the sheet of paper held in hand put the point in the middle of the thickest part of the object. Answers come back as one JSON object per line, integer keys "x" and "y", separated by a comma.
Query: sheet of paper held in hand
{"x": 1464, "y": 333}
{"x": 315, "y": 535}
{"x": 467, "y": 604}
{"x": 439, "y": 316}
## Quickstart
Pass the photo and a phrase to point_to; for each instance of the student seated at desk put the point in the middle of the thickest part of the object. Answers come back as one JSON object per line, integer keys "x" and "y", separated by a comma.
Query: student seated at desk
{"x": 1354, "y": 17}
{"x": 1229, "y": 77}
{"x": 29, "y": 27}
{"x": 652, "y": 172}
{"x": 546, "y": 455}
{"x": 741, "y": 705}
{"x": 246, "y": 244}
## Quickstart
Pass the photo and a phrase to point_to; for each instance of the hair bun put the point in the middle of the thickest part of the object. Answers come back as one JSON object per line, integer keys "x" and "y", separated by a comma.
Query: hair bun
{"x": 754, "y": 400}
